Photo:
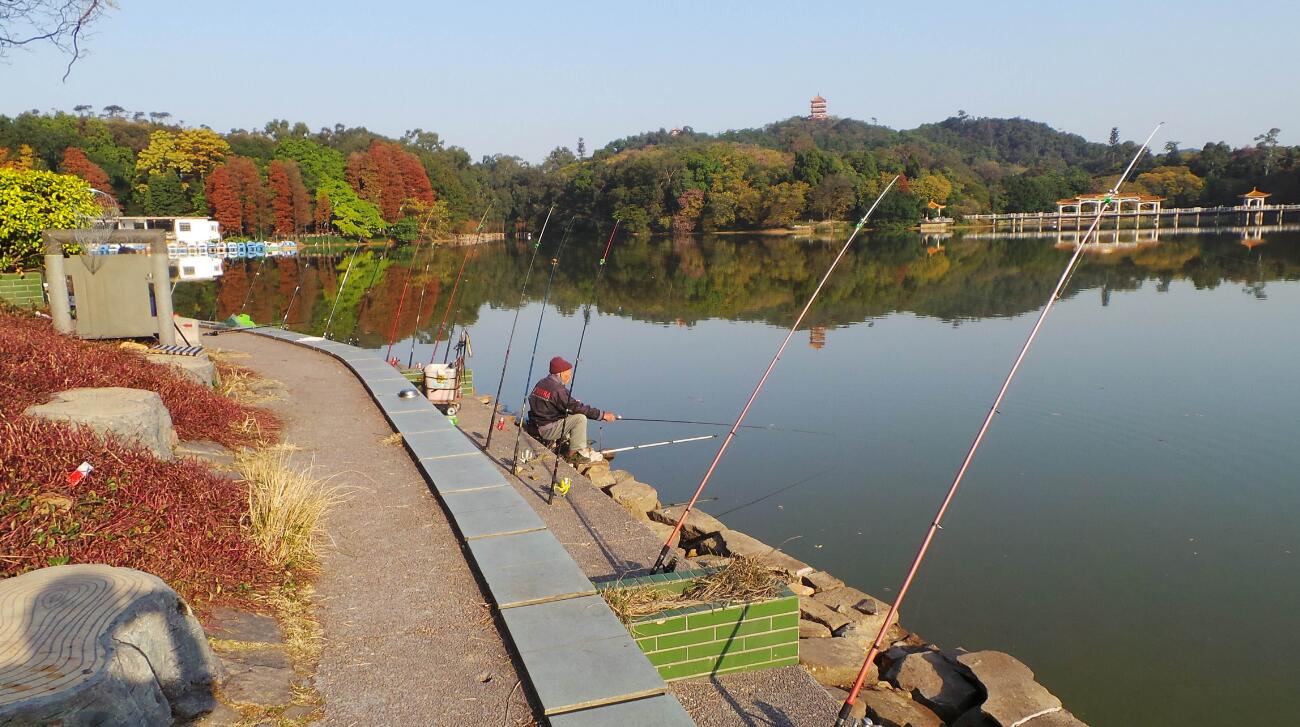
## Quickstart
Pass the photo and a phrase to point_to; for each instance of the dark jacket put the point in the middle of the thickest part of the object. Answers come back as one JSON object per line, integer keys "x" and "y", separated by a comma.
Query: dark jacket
{"x": 551, "y": 401}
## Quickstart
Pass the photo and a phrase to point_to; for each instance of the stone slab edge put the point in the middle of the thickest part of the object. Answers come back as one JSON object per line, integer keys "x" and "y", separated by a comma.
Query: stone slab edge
{"x": 370, "y": 377}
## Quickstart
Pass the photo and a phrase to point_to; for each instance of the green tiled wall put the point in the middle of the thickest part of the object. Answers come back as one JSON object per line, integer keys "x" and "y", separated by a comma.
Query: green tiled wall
{"x": 715, "y": 638}
{"x": 23, "y": 291}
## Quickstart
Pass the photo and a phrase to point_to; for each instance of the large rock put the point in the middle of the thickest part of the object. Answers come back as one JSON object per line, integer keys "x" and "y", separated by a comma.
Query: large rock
{"x": 813, "y": 630}
{"x": 864, "y": 632}
{"x": 814, "y": 610}
{"x": 853, "y": 603}
{"x": 198, "y": 369}
{"x": 698, "y": 524}
{"x": 97, "y": 645}
{"x": 599, "y": 475}
{"x": 134, "y": 416}
{"x": 733, "y": 543}
{"x": 834, "y": 662}
{"x": 822, "y": 581}
{"x": 662, "y": 532}
{"x": 1012, "y": 695}
{"x": 935, "y": 682}
{"x": 889, "y": 708}
{"x": 637, "y": 498}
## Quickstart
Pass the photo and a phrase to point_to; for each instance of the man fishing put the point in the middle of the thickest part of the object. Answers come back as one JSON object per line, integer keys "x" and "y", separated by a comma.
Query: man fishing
{"x": 556, "y": 416}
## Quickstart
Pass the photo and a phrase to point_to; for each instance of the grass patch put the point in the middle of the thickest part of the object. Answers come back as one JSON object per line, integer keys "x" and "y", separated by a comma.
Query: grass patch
{"x": 743, "y": 580}
{"x": 391, "y": 440}
{"x": 286, "y": 507}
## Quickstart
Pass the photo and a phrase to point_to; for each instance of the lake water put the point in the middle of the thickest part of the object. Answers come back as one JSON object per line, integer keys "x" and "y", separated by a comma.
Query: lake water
{"x": 1129, "y": 529}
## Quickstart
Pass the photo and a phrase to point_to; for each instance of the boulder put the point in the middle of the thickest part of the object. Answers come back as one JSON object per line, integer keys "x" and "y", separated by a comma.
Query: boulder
{"x": 198, "y": 369}
{"x": 662, "y": 532}
{"x": 837, "y": 695}
{"x": 94, "y": 644}
{"x": 822, "y": 581}
{"x": 893, "y": 709}
{"x": 705, "y": 561}
{"x": 133, "y": 416}
{"x": 935, "y": 682}
{"x": 599, "y": 475}
{"x": 1012, "y": 695}
{"x": 637, "y": 498}
{"x": 698, "y": 524}
{"x": 853, "y": 603}
{"x": 799, "y": 589}
{"x": 734, "y": 543}
{"x": 813, "y": 630}
{"x": 821, "y": 613}
{"x": 621, "y": 475}
{"x": 864, "y": 632}
{"x": 833, "y": 662}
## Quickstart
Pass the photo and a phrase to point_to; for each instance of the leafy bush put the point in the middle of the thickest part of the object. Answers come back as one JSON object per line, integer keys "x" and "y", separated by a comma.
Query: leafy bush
{"x": 31, "y": 202}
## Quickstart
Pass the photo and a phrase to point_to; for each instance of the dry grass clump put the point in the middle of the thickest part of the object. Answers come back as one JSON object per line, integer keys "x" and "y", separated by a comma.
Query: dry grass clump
{"x": 741, "y": 580}
{"x": 391, "y": 440}
{"x": 286, "y": 507}
{"x": 240, "y": 382}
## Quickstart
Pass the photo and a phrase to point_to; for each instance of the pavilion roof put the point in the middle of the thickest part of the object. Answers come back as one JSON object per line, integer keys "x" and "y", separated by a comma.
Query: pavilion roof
{"x": 1256, "y": 193}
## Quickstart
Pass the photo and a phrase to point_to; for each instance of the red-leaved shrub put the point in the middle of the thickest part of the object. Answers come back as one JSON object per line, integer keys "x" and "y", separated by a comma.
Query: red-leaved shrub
{"x": 175, "y": 520}
{"x": 36, "y": 362}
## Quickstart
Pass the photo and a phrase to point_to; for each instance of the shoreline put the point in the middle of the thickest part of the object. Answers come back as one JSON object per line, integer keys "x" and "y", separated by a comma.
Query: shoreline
{"x": 914, "y": 681}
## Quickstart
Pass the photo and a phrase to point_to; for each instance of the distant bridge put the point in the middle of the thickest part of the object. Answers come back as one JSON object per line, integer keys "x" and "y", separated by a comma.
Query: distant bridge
{"x": 1255, "y": 213}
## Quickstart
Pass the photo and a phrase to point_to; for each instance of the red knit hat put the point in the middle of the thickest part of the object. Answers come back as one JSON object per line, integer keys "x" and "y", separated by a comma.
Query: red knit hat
{"x": 558, "y": 364}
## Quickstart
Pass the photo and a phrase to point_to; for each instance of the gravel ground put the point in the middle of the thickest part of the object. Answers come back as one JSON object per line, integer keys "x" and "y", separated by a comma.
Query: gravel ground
{"x": 408, "y": 635}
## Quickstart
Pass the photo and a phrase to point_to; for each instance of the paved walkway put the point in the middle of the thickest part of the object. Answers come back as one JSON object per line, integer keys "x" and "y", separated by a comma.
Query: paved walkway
{"x": 408, "y": 635}
{"x": 606, "y": 540}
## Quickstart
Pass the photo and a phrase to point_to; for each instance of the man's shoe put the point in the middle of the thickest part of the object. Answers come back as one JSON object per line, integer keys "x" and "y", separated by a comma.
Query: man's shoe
{"x": 590, "y": 456}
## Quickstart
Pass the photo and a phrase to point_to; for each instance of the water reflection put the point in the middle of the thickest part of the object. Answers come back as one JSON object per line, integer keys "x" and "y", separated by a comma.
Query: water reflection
{"x": 739, "y": 278}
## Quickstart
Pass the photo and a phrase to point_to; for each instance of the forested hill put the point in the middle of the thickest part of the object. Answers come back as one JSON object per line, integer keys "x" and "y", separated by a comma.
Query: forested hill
{"x": 286, "y": 179}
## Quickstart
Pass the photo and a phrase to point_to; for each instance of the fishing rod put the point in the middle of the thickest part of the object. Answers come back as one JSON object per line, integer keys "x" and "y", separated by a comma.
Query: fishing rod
{"x": 844, "y": 718}
{"x": 251, "y": 282}
{"x": 401, "y": 302}
{"x": 437, "y": 337}
{"x": 297, "y": 287}
{"x": 451, "y": 333}
{"x": 442, "y": 326}
{"x": 330, "y": 320}
{"x": 658, "y": 444}
{"x": 365, "y": 300}
{"x": 523, "y": 290}
{"x": 586, "y": 321}
{"x": 764, "y": 427}
{"x": 740, "y": 420}
{"x": 532, "y": 359}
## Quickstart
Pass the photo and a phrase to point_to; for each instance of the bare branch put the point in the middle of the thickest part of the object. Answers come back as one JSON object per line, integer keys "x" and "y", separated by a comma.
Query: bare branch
{"x": 61, "y": 23}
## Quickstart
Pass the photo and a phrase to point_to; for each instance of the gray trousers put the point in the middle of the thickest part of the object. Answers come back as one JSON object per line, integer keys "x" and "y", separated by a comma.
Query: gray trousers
{"x": 573, "y": 428}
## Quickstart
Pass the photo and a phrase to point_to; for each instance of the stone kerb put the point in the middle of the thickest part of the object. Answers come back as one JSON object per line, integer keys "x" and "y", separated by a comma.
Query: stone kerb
{"x": 95, "y": 644}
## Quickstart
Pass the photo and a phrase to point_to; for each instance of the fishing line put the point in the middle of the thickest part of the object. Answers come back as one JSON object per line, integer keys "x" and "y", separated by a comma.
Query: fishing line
{"x": 764, "y": 427}
{"x": 442, "y": 326}
{"x": 844, "y": 718}
{"x": 532, "y": 359}
{"x": 365, "y": 300}
{"x": 329, "y": 322}
{"x": 586, "y": 321}
{"x": 251, "y": 282}
{"x": 419, "y": 308}
{"x": 523, "y": 290}
{"x": 297, "y": 287}
{"x": 778, "y": 491}
{"x": 740, "y": 419}
{"x": 401, "y": 302}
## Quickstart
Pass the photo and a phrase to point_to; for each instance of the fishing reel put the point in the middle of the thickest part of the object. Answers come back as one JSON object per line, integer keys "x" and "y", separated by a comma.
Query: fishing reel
{"x": 525, "y": 456}
{"x": 562, "y": 486}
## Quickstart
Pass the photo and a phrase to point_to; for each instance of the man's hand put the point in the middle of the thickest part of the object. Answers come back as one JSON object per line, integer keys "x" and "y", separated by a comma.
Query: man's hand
{"x": 608, "y": 416}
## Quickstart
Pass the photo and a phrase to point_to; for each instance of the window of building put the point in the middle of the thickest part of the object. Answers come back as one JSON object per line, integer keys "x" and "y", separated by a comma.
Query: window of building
{"x": 183, "y": 226}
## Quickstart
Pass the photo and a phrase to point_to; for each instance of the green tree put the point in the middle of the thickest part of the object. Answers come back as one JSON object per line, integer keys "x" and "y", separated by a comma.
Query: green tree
{"x": 317, "y": 163}
{"x": 351, "y": 215}
{"x": 33, "y": 201}
{"x": 164, "y": 196}
{"x": 1267, "y": 142}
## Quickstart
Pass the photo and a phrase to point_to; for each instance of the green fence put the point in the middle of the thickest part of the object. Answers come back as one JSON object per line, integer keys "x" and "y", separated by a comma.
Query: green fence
{"x": 22, "y": 290}
{"x": 714, "y": 638}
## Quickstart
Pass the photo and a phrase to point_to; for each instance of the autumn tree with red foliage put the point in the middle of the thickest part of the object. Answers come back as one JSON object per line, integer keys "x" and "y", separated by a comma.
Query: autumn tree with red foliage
{"x": 76, "y": 162}
{"x": 388, "y": 175}
{"x": 289, "y": 201}
{"x": 238, "y": 198}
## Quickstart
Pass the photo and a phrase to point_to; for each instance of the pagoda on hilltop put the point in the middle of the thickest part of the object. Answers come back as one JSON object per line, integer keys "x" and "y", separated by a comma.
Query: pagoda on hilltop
{"x": 818, "y": 108}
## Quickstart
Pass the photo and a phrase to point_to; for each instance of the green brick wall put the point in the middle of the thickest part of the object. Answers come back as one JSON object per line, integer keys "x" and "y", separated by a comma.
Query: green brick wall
{"x": 715, "y": 638}
{"x": 24, "y": 290}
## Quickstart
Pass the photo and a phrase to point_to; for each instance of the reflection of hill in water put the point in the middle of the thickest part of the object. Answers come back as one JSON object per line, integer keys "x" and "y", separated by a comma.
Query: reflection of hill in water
{"x": 732, "y": 277}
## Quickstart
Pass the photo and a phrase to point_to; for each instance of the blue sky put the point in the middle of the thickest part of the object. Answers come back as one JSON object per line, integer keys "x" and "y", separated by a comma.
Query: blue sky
{"x": 522, "y": 78}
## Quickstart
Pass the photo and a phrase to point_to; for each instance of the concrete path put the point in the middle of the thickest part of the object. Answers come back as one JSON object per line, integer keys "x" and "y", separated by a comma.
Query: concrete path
{"x": 408, "y": 635}
{"x": 606, "y": 540}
